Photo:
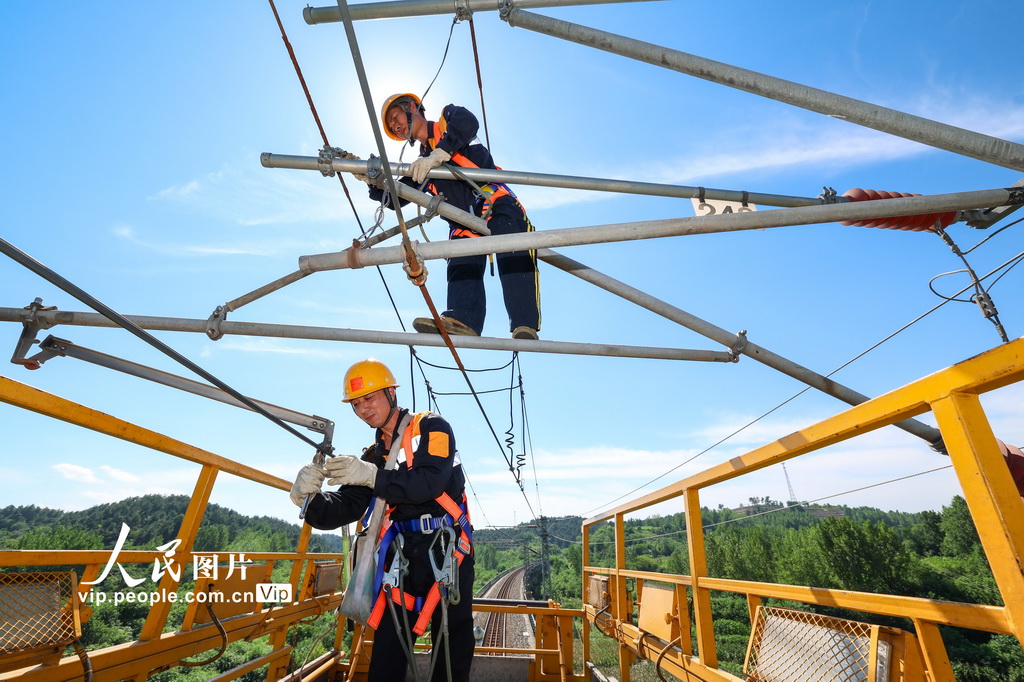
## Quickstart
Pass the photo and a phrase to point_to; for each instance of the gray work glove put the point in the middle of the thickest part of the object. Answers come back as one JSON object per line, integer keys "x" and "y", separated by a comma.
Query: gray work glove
{"x": 425, "y": 164}
{"x": 349, "y": 470}
{"x": 362, "y": 177}
{"x": 308, "y": 482}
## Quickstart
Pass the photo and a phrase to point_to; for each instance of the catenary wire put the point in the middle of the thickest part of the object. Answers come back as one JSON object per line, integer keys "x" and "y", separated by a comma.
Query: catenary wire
{"x": 920, "y": 317}
{"x": 769, "y": 511}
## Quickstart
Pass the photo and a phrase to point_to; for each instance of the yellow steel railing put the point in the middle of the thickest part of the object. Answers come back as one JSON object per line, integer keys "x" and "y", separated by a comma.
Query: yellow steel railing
{"x": 993, "y": 500}
{"x": 158, "y": 650}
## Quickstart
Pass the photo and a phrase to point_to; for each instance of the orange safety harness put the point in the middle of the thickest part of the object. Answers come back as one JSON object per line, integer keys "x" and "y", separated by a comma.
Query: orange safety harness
{"x": 457, "y": 514}
{"x": 488, "y": 193}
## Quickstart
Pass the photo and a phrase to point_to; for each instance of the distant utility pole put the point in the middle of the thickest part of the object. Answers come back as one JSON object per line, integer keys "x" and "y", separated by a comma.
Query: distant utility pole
{"x": 792, "y": 495}
{"x": 545, "y": 556}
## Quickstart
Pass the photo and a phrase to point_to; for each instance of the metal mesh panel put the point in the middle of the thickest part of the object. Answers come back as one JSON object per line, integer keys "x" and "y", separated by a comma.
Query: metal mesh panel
{"x": 36, "y": 610}
{"x": 794, "y": 646}
{"x": 327, "y": 579}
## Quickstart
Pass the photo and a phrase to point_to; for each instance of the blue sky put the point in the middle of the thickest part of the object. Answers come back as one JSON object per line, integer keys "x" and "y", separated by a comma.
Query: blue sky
{"x": 132, "y": 142}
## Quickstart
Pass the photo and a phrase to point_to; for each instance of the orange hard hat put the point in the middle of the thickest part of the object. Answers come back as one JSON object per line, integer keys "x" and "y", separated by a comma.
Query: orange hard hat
{"x": 367, "y": 376}
{"x": 396, "y": 99}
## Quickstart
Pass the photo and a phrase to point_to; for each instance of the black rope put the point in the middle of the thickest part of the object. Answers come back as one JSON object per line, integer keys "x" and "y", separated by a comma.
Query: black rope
{"x": 443, "y": 58}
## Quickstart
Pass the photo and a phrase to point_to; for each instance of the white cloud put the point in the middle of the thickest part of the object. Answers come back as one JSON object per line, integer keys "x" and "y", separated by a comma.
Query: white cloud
{"x": 262, "y": 247}
{"x": 249, "y": 345}
{"x": 74, "y": 472}
{"x": 249, "y": 196}
{"x": 119, "y": 474}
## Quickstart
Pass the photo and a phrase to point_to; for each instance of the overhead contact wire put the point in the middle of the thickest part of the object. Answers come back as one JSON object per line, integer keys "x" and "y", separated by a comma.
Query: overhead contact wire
{"x": 1011, "y": 263}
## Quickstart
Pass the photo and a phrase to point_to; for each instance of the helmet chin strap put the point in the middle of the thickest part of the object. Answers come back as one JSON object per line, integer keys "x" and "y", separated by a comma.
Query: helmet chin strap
{"x": 393, "y": 404}
{"x": 408, "y": 126}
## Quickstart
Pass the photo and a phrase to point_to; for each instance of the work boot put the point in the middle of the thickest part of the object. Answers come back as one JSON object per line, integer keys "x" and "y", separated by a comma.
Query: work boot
{"x": 525, "y": 333}
{"x": 426, "y": 325}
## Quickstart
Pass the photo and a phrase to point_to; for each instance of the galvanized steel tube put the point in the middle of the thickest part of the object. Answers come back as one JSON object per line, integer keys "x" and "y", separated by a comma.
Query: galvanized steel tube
{"x": 483, "y": 175}
{"x": 421, "y": 8}
{"x": 923, "y": 130}
{"x": 287, "y": 331}
{"x": 674, "y": 227}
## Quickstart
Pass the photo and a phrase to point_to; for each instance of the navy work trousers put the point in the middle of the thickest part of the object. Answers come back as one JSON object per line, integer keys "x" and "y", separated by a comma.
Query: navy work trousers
{"x": 517, "y": 270}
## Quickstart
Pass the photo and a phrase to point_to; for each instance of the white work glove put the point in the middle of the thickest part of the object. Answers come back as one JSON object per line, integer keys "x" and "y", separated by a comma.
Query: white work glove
{"x": 362, "y": 177}
{"x": 350, "y": 470}
{"x": 424, "y": 164}
{"x": 308, "y": 482}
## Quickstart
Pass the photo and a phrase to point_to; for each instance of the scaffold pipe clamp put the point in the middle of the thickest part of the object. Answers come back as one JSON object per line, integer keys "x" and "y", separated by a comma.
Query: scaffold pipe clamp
{"x": 738, "y": 345}
{"x": 325, "y": 161}
{"x": 413, "y": 266}
{"x": 220, "y": 314}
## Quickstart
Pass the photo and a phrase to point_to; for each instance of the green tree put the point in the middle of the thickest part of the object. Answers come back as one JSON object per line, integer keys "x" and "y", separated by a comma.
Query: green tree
{"x": 959, "y": 534}
{"x": 59, "y": 537}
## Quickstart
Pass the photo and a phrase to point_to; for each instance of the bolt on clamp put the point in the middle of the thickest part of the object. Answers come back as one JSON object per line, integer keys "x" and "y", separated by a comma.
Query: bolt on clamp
{"x": 432, "y": 206}
{"x": 324, "y": 161}
{"x": 738, "y": 345}
{"x": 213, "y": 323}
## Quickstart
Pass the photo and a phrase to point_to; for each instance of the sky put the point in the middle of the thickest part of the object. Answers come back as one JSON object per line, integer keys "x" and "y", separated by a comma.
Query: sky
{"x": 133, "y": 137}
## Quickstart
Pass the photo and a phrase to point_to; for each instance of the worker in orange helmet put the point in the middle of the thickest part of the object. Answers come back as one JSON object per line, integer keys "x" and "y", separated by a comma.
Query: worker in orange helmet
{"x": 452, "y": 139}
{"x": 426, "y": 524}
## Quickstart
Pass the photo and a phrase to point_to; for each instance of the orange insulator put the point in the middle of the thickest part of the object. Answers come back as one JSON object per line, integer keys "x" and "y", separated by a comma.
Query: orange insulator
{"x": 916, "y": 223}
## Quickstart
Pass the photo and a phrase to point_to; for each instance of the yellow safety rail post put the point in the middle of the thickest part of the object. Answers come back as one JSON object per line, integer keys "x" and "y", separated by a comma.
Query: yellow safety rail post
{"x": 584, "y": 587}
{"x": 621, "y": 608}
{"x": 994, "y": 502}
{"x": 157, "y": 617}
{"x": 701, "y": 595}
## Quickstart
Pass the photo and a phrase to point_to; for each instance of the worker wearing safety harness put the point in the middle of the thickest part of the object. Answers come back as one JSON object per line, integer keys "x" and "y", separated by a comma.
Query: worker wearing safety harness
{"x": 452, "y": 140}
{"x": 424, "y": 573}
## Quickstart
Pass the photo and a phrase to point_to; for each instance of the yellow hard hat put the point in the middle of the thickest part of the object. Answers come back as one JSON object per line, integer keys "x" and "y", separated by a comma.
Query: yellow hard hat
{"x": 367, "y": 376}
{"x": 390, "y": 102}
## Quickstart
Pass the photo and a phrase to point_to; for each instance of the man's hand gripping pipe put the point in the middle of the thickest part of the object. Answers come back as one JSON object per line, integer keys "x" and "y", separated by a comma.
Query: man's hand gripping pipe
{"x": 324, "y": 451}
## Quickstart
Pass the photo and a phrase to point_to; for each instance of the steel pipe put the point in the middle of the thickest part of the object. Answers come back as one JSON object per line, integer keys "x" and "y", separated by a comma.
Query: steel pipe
{"x": 738, "y": 343}
{"x": 941, "y": 135}
{"x": 421, "y": 8}
{"x": 483, "y": 175}
{"x": 173, "y": 324}
{"x": 673, "y": 227}
{"x": 65, "y": 348}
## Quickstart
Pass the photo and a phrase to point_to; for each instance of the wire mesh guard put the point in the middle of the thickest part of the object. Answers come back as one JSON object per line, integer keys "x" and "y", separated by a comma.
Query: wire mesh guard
{"x": 795, "y": 646}
{"x": 37, "y": 610}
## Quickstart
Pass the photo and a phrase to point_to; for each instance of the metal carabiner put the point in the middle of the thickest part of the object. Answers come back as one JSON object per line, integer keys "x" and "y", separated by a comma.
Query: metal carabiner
{"x": 447, "y": 574}
{"x": 394, "y": 576}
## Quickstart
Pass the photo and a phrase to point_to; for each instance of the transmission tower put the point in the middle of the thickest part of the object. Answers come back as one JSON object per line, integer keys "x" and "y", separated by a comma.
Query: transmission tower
{"x": 792, "y": 495}
{"x": 545, "y": 557}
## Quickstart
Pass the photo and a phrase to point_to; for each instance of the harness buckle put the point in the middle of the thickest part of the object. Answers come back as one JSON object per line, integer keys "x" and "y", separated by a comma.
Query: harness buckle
{"x": 425, "y": 527}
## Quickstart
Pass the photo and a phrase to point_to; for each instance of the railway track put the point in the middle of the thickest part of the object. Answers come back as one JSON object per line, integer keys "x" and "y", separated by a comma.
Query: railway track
{"x": 498, "y": 629}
